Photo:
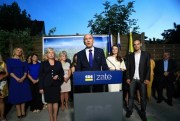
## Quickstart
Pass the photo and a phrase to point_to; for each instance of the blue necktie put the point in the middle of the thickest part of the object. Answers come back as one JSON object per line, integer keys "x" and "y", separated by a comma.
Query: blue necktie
{"x": 90, "y": 58}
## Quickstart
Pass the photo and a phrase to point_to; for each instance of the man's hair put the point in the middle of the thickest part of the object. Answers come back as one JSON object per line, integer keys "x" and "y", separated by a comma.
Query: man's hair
{"x": 88, "y": 34}
{"x": 167, "y": 53}
{"x": 136, "y": 40}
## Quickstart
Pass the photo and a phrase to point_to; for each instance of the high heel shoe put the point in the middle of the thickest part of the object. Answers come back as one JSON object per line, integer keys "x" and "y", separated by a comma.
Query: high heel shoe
{"x": 19, "y": 117}
{"x": 23, "y": 116}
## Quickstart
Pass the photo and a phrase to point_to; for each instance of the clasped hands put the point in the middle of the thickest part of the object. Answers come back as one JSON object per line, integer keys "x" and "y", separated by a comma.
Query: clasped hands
{"x": 166, "y": 73}
{"x": 129, "y": 81}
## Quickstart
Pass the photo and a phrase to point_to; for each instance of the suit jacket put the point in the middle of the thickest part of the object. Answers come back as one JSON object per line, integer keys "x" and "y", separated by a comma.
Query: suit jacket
{"x": 159, "y": 70}
{"x": 144, "y": 66}
{"x": 47, "y": 72}
{"x": 99, "y": 61}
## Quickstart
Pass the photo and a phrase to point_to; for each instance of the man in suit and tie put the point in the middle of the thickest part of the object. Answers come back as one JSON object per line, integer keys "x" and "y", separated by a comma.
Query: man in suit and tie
{"x": 138, "y": 75}
{"x": 91, "y": 59}
{"x": 165, "y": 71}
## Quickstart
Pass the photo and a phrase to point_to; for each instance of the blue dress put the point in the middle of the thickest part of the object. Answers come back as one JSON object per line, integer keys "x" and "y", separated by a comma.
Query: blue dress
{"x": 34, "y": 70}
{"x": 18, "y": 92}
{"x": 36, "y": 102}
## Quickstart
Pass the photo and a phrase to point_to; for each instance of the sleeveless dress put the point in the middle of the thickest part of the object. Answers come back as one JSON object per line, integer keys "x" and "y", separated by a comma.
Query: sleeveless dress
{"x": 3, "y": 81}
{"x": 18, "y": 92}
{"x": 66, "y": 86}
{"x": 114, "y": 64}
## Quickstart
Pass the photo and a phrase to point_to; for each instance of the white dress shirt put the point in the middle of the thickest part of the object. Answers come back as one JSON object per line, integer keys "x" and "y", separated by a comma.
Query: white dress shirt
{"x": 137, "y": 60}
{"x": 87, "y": 52}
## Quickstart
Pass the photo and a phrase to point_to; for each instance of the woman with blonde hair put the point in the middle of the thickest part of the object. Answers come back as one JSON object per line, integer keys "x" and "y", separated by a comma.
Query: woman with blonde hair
{"x": 66, "y": 86}
{"x": 149, "y": 86}
{"x": 50, "y": 79}
{"x": 3, "y": 87}
{"x": 19, "y": 89}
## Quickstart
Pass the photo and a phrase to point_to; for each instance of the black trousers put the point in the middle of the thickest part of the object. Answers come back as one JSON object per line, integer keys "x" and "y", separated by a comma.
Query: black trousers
{"x": 36, "y": 102}
{"x": 168, "y": 85}
{"x": 143, "y": 92}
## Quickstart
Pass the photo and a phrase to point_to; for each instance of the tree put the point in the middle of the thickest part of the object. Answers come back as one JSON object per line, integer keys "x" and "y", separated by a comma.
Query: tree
{"x": 115, "y": 18}
{"x": 172, "y": 36}
{"x": 14, "y": 29}
{"x": 52, "y": 31}
{"x": 11, "y": 17}
{"x": 9, "y": 40}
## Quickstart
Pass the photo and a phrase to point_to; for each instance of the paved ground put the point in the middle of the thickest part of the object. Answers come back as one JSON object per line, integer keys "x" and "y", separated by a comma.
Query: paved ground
{"x": 155, "y": 112}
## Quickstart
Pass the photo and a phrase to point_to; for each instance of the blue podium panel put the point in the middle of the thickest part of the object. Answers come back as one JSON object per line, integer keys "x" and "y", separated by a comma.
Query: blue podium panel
{"x": 97, "y": 77}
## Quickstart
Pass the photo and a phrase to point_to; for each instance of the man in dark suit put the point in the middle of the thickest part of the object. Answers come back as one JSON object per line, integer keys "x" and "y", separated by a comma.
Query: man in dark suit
{"x": 165, "y": 70}
{"x": 138, "y": 75}
{"x": 91, "y": 59}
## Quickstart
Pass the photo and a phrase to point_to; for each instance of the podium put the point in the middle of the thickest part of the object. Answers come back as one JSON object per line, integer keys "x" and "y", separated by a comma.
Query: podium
{"x": 99, "y": 106}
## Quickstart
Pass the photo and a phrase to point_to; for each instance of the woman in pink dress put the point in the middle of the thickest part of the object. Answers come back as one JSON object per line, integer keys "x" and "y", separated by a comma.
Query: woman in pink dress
{"x": 66, "y": 86}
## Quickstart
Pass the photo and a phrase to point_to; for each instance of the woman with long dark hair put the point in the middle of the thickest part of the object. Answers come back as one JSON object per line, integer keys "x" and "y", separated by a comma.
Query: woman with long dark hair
{"x": 33, "y": 75}
{"x": 115, "y": 62}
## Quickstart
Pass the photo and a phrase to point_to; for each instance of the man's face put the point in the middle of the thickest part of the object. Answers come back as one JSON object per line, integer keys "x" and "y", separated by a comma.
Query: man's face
{"x": 137, "y": 45}
{"x": 88, "y": 40}
{"x": 166, "y": 56}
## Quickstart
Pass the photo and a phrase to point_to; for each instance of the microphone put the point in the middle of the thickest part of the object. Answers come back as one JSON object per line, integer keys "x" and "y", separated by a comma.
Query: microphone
{"x": 111, "y": 63}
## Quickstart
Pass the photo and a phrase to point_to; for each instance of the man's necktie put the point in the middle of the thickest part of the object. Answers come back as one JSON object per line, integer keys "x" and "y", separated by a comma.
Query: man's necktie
{"x": 90, "y": 58}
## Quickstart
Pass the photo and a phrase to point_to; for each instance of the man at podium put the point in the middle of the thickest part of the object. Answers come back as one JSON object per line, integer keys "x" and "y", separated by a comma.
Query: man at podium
{"x": 91, "y": 59}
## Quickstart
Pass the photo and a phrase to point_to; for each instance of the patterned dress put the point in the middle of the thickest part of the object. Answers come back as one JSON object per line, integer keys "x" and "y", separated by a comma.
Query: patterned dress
{"x": 3, "y": 81}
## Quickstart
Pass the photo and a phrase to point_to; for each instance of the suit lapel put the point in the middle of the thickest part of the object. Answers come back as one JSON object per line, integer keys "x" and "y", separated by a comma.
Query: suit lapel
{"x": 168, "y": 65}
{"x": 95, "y": 55}
{"x": 85, "y": 57}
{"x": 133, "y": 59}
{"x": 141, "y": 58}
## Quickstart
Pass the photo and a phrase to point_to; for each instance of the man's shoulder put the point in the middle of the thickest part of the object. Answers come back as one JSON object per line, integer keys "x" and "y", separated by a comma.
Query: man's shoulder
{"x": 144, "y": 52}
{"x": 172, "y": 61}
{"x": 99, "y": 50}
{"x": 130, "y": 54}
{"x": 96, "y": 48}
{"x": 81, "y": 51}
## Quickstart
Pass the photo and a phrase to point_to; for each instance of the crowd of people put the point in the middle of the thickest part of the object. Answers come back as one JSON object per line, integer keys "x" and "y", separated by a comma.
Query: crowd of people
{"x": 50, "y": 82}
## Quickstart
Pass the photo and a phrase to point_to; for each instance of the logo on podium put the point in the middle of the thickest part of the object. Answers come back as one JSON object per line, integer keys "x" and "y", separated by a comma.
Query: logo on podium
{"x": 88, "y": 78}
{"x": 97, "y": 77}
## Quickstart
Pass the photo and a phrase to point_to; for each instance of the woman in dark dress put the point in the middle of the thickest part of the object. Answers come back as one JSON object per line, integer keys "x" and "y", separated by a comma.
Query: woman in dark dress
{"x": 50, "y": 80}
{"x": 33, "y": 75}
{"x": 19, "y": 89}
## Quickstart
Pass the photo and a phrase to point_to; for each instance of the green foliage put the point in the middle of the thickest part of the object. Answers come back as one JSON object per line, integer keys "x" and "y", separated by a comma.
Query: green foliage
{"x": 11, "y": 17}
{"x": 52, "y": 31}
{"x": 172, "y": 36}
{"x": 15, "y": 28}
{"x": 10, "y": 40}
{"x": 115, "y": 18}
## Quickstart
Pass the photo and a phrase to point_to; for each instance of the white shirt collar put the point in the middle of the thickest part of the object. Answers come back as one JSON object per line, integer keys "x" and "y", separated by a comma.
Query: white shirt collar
{"x": 92, "y": 48}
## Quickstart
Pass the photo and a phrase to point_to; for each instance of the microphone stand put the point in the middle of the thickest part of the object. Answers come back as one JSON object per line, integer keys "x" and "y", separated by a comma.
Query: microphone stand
{"x": 111, "y": 63}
